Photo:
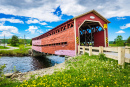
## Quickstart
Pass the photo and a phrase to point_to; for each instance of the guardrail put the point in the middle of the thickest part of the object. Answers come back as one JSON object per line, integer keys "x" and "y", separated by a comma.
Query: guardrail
{"x": 120, "y": 50}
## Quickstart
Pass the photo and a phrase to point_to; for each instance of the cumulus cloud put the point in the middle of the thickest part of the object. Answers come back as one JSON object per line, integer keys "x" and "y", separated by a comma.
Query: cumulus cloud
{"x": 8, "y": 30}
{"x": 39, "y": 31}
{"x": 49, "y": 26}
{"x": 32, "y": 29}
{"x": 121, "y": 31}
{"x": 43, "y": 9}
{"x": 43, "y": 23}
{"x": 11, "y": 29}
{"x": 125, "y": 26}
{"x": 6, "y": 33}
{"x": 35, "y": 21}
{"x": 11, "y": 20}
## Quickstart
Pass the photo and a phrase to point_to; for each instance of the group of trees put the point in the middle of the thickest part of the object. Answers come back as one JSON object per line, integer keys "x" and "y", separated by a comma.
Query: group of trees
{"x": 119, "y": 41}
{"x": 14, "y": 41}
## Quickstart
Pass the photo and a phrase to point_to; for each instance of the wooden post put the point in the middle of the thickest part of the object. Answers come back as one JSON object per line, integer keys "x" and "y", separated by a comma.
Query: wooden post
{"x": 83, "y": 49}
{"x": 78, "y": 50}
{"x": 90, "y": 50}
{"x": 121, "y": 56}
{"x": 100, "y": 49}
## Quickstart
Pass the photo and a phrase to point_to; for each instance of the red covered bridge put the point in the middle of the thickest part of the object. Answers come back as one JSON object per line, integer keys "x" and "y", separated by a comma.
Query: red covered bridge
{"x": 86, "y": 29}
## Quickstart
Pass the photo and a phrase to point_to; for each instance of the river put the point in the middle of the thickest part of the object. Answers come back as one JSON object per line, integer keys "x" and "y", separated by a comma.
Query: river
{"x": 25, "y": 64}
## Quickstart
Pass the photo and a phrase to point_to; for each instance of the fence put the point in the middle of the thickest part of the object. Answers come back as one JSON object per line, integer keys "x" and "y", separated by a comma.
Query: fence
{"x": 119, "y": 51}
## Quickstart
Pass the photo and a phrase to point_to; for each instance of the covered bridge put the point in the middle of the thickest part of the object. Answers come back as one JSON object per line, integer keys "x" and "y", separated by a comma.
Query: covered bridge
{"x": 86, "y": 29}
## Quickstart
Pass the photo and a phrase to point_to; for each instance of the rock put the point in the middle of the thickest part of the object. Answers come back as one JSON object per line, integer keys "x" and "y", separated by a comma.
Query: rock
{"x": 16, "y": 75}
{"x": 8, "y": 75}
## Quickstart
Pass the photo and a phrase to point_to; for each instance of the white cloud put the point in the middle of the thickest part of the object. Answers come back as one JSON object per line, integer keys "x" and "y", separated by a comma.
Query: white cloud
{"x": 35, "y": 21}
{"x": 121, "y": 18}
{"x": 39, "y": 31}
{"x": 121, "y": 31}
{"x": 116, "y": 8}
{"x": 28, "y": 38}
{"x": 43, "y": 9}
{"x": 32, "y": 21}
{"x": 11, "y": 20}
{"x": 125, "y": 26}
{"x": 32, "y": 29}
{"x": 11, "y": 29}
{"x": 6, "y": 33}
{"x": 49, "y": 26}
{"x": 43, "y": 23}
{"x": 2, "y": 23}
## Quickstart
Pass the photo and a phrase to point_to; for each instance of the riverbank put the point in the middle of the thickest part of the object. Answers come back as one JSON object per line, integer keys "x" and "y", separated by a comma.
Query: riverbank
{"x": 15, "y": 52}
{"x": 81, "y": 71}
{"x": 28, "y": 75}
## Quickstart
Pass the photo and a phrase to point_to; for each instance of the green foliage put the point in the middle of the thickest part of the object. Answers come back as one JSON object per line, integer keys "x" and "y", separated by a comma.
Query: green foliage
{"x": 14, "y": 40}
{"x": 16, "y": 52}
{"x": 21, "y": 41}
{"x": 21, "y": 47}
{"x": 31, "y": 42}
{"x": 2, "y": 47}
{"x": 1, "y": 70}
{"x": 128, "y": 40}
{"x": 119, "y": 40}
{"x": 102, "y": 56}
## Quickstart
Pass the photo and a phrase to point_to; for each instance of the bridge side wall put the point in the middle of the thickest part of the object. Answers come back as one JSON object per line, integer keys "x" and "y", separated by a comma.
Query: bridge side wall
{"x": 67, "y": 37}
{"x": 36, "y": 45}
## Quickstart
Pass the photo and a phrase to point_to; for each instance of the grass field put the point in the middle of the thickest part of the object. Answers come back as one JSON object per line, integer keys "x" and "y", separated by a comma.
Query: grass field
{"x": 2, "y": 47}
{"x": 82, "y": 71}
{"x": 16, "y": 52}
{"x": 115, "y": 45}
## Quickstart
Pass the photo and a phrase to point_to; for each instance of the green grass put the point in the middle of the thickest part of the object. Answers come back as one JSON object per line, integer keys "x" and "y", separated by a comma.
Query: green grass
{"x": 15, "y": 52}
{"x": 115, "y": 45}
{"x": 2, "y": 47}
{"x": 12, "y": 46}
{"x": 83, "y": 71}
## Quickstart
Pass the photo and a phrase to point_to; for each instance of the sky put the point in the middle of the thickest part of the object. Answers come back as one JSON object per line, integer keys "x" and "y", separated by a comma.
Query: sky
{"x": 35, "y": 17}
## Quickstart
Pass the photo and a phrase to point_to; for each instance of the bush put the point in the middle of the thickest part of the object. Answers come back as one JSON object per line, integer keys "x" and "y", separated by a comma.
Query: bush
{"x": 1, "y": 70}
{"x": 102, "y": 56}
{"x": 21, "y": 47}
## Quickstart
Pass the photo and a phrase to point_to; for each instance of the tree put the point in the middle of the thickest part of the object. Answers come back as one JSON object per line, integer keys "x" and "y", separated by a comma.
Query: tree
{"x": 128, "y": 40}
{"x": 119, "y": 40}
{"x": 9, "y": 41}
{"x": 14, "y": 40}
{"x": 21, "y": 41}
{"x": 31, "y": 42}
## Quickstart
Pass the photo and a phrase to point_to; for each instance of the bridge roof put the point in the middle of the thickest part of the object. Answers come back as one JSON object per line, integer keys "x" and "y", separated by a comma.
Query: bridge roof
{"x": 96, "y": 13}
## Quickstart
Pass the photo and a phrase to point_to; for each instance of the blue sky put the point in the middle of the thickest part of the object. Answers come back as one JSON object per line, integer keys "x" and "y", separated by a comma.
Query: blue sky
{"x": 35, "y": 17}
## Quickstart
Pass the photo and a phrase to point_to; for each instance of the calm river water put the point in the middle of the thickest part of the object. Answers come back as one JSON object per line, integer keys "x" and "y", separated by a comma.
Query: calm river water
{"x": 25, "y": 64}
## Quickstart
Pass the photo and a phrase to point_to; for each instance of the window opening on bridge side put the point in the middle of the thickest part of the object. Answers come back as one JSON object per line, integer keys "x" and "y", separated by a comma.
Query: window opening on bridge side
{"x": 54, "y": 44}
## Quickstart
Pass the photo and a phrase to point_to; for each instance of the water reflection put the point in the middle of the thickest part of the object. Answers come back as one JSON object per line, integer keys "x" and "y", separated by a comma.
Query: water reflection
{"x": 25, "y": 64}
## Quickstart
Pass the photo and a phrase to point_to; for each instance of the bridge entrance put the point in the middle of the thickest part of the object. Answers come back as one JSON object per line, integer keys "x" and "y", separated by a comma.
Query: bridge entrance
{"x": 91, "y": 33}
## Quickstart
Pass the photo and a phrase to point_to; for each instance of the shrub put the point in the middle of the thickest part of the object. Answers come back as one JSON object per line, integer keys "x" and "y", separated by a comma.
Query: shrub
{"x": 1, "y": 70}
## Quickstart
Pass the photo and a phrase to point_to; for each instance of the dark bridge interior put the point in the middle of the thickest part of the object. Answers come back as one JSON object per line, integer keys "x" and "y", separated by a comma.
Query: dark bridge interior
{"x": 87, "y": 31}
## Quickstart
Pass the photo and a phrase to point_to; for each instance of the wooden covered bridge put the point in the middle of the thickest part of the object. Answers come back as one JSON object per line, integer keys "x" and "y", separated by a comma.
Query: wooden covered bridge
{"x": 86, "y": 29}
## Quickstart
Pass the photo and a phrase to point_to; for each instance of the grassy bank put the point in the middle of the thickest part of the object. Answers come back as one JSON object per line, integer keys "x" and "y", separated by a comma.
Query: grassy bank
{"x": 115, "y": 45}
{"x": 2, "y": 47}
{"x": 15, "y": 52}
{"x": 83, "y": 71}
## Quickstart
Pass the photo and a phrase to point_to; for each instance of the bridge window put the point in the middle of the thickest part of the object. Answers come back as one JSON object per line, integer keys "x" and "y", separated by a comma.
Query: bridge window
{"x": 64, "y": 28}
{"x": 71, "y": 25}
